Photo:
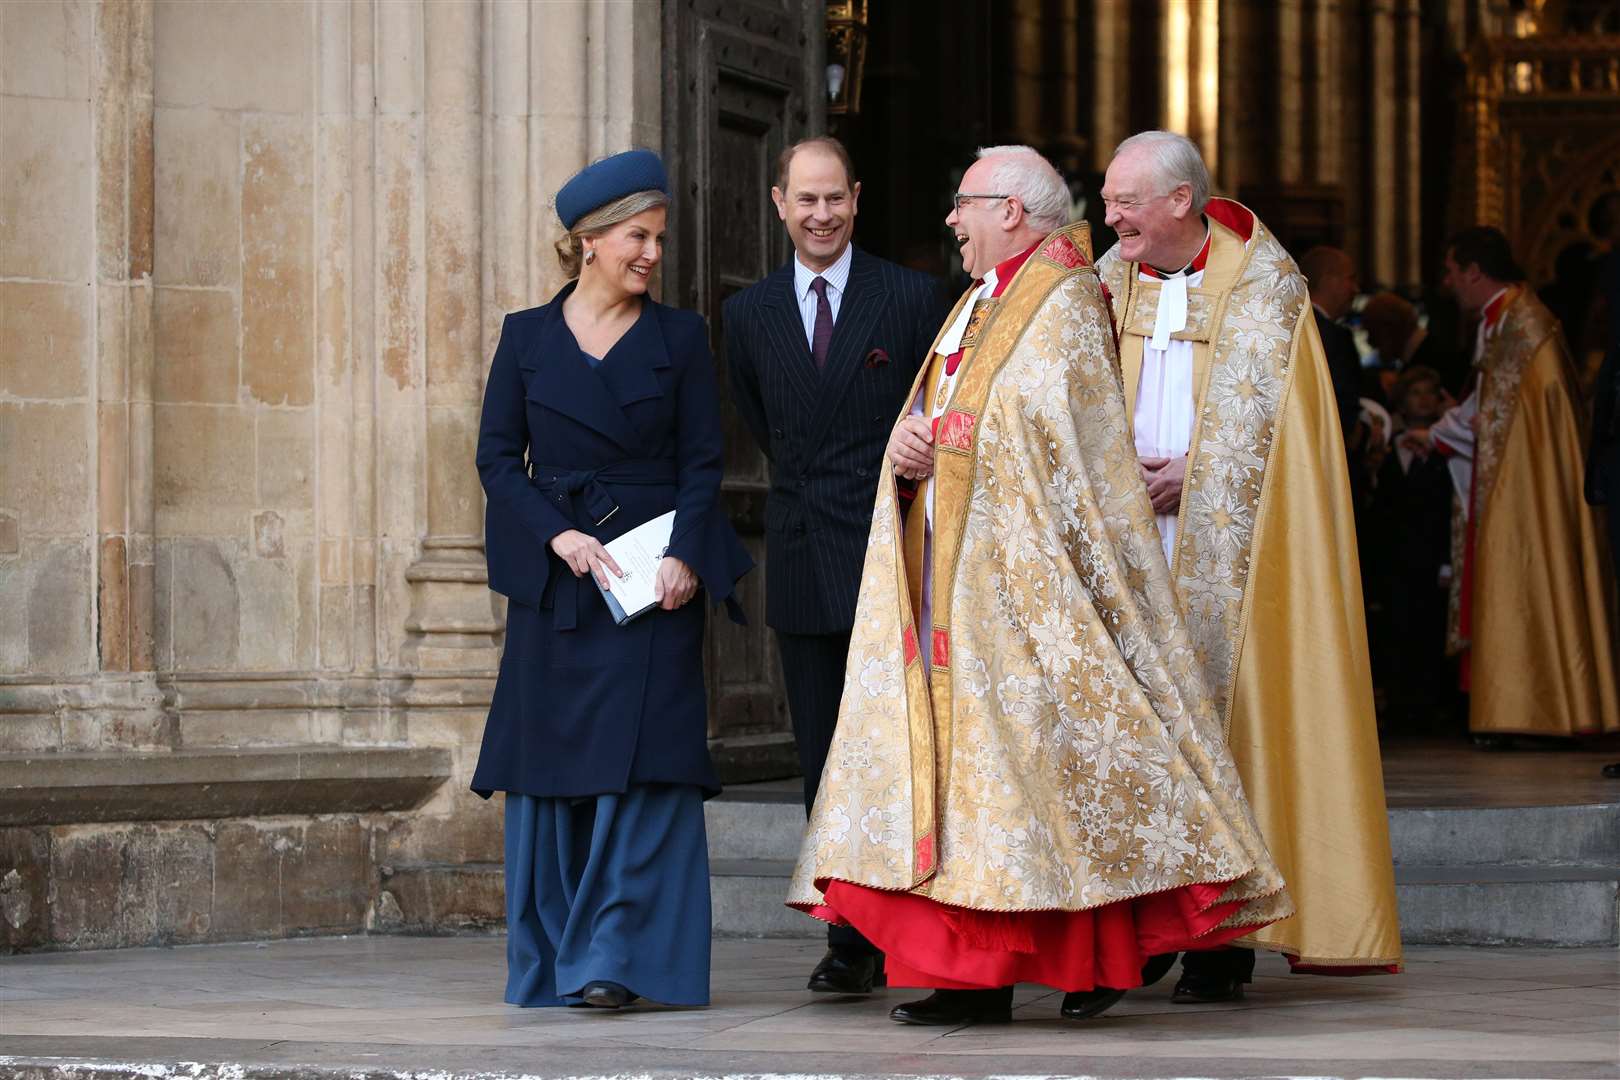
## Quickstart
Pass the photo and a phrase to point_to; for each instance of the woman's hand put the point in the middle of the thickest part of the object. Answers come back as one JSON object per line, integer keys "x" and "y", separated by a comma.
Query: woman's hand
{"x": 675, "y": 584}
{"x": 585, "y": 554}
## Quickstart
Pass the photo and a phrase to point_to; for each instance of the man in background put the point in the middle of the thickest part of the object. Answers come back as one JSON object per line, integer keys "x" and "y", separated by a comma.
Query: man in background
{"x": 820, "y": 355}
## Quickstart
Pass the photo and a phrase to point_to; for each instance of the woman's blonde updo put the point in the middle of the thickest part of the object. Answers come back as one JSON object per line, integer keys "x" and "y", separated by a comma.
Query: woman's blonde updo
{"x": 571, "y": 245}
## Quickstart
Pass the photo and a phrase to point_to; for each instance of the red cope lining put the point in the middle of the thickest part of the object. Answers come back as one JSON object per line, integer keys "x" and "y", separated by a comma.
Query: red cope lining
{"x": 929, "y": 944}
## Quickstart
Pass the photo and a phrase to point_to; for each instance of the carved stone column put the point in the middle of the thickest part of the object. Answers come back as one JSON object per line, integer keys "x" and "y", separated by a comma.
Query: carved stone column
{"x": 453, "y": 623}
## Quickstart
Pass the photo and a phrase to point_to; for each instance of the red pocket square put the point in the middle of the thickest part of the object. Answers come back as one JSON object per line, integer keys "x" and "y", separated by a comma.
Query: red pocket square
{"x": 877, "y": 358}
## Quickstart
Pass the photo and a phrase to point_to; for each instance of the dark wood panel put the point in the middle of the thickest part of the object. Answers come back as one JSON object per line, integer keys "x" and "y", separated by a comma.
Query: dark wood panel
{"x": 742, "y": 79}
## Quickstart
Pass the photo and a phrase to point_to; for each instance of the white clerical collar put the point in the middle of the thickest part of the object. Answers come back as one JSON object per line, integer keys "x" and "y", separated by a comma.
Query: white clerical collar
{"x": 837, "y": 274}
{"x": 951, "y": 341}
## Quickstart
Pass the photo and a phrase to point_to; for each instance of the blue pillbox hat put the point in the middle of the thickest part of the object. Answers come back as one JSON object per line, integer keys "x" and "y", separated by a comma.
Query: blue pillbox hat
{"x": 601, "y": 182}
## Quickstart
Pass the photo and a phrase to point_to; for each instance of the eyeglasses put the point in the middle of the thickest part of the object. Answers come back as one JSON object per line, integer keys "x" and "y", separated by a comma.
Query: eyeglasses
{"x": 963, "y": 196}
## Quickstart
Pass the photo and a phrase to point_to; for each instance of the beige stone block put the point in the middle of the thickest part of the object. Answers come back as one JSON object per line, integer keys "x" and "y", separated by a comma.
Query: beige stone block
{"x": 142, "y": 186}
{"x": 204, "y": 606}
{"x": 115, "y": 729}
{"x": 111, "y": 107}
{"x": 335, "y": 561}
{"x": 45, "y": 466}
{"x": 163, "y": 606}
{"x": 112, "y": 595}
{"x": 336, "y": 464}
{"x": 46, "y": 48}
{"x": 46, "y": 211}
{"x": 337, "y": 628}
{"x": 194, "y": 344}
{"x": 197, "y": 202}
{"x": 286, "y": 458}
{"x": 142, "y": 615}
{"x": 278, "y": 347}
{"x": 365, "y": 562}
{"x": 112, "y": 341}
{"x": 44, "y": 340}
{"x": 59, "y": 636}
{"x": 269, "y": 616}
{"x": 247, "y": 54}
{"x": 30, "y": 734}
{"x": 8, "y": 534}
{"x": 455, "y": 497}
{"x": 203, "y": 466}
{"x": 112, "y": 465}
{"x": 15, "y": 575}
{"x": 246, "y": 727}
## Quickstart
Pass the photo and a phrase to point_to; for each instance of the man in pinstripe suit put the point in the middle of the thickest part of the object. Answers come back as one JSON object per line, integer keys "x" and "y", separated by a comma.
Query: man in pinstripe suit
{"x": 820, "y": 356}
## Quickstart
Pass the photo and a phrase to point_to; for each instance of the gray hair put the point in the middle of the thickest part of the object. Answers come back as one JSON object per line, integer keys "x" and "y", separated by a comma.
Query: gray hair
{"x": 1176, "y": 161}
{"x": 570, "y": 246}
{"x": 1028, "y": 177}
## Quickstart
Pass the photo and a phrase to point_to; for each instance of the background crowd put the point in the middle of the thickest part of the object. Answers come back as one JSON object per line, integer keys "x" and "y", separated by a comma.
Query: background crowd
{"x": 1399, "y": 364}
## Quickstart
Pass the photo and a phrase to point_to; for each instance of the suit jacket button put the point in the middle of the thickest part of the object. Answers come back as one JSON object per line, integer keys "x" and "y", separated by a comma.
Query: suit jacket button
{"x": 861, "y": 471}
{"x": 801, "y": 481}
{"x": 799, "y": 528}
{"x": 777, "y": 432}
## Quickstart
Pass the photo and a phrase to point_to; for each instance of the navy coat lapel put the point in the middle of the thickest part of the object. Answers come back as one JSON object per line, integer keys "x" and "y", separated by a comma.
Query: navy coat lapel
{"x": 864, "y": 300}
{"x": 784, "y": 327}
{"x": 631, "y": 372}
{"x": 556, "y": 375}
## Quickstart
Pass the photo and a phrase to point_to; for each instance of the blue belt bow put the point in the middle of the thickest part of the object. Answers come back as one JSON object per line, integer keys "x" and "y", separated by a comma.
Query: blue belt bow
{"x": 589, "y": 486}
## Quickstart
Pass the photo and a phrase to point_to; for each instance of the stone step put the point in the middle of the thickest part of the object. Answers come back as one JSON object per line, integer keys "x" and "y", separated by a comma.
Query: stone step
{"x": 1507, "y": 836}
{"x": 1509, "y": 905}
{"x": 754, "y": 829}
{"x": 747, "y": 895}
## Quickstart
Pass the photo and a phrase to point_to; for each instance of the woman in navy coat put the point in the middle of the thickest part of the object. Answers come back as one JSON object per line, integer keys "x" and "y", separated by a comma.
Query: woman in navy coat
{"x": 600, "y": 414}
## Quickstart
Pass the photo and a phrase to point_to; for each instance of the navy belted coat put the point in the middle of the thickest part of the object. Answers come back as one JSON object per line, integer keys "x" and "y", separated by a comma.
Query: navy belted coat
{"x": 582, "y": 706}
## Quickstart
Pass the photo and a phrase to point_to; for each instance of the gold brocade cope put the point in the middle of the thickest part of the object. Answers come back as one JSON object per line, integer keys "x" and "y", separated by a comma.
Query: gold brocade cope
{"x": 1265, "y": 569}
{"x": 1059, "y": 751}
{"x": 1543, "y": 634}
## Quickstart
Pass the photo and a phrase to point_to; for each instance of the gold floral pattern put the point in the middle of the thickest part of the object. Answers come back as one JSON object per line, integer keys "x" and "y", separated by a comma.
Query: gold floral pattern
{"x": 1252, "y": 343}
{"x": 1076, "y": 753}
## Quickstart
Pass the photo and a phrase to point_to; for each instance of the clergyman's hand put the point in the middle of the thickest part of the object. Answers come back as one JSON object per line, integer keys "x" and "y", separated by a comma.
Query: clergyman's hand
{"x": 911, "y": 448}
{"x": 1164, "y": 477}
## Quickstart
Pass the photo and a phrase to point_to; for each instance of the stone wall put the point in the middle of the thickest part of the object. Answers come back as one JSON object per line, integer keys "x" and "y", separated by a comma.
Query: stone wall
{"x": 253, "y": 261}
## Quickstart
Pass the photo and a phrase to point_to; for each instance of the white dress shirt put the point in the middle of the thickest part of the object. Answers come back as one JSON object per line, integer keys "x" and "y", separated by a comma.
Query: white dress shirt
{"x": 837, "y": 276}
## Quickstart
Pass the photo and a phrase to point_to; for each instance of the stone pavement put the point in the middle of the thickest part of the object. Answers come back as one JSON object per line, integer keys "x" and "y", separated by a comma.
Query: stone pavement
{"x": 390, "y": 1006}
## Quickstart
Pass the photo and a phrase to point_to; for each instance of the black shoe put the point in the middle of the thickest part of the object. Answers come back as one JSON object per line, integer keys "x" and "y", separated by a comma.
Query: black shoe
{"x": 1207, "y": 989}
{"x": 606, "y": 995}
{"x": 846, "y": 971}
{"x": 1084, "y": 1004}
{"x": 951, "y": 1008}
{"x": 1492, "y": 743}
{"x": 1157, "y": 967}
{"x": 1612, "y": 770}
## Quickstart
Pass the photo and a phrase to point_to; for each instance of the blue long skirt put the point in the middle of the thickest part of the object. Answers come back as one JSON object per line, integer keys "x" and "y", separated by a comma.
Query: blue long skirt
{"x": 607, "y": 887}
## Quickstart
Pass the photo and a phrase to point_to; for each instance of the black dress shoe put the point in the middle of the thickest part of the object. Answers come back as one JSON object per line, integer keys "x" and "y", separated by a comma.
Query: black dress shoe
{"x": 951, "y": 1008}
{"x": 846, "y": 971}
{"x": 1612, "y": 770}
{"x": 1207, "y": 989}
{"x": 1157, "y": 967}
{"x": 1493, "y": 743}
{"x": 606, "y": 995}
{"x": 1084, "y": 1004}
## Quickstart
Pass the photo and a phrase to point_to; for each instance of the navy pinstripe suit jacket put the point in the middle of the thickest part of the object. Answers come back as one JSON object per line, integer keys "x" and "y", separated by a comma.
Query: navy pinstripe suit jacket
{"x": 825, "y": 432}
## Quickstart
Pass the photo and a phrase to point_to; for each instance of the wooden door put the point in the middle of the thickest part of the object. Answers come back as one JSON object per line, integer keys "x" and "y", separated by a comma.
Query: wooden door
{"x": 742, "y": 79}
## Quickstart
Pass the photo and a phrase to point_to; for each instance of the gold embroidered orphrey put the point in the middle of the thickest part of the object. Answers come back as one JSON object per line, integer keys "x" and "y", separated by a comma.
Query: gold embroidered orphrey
{"x": 1251, "y": 329}
{"x": 1059, "y": 750}
{"x": 1266, "y": 572}
{"x": 1524, "y": 329}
